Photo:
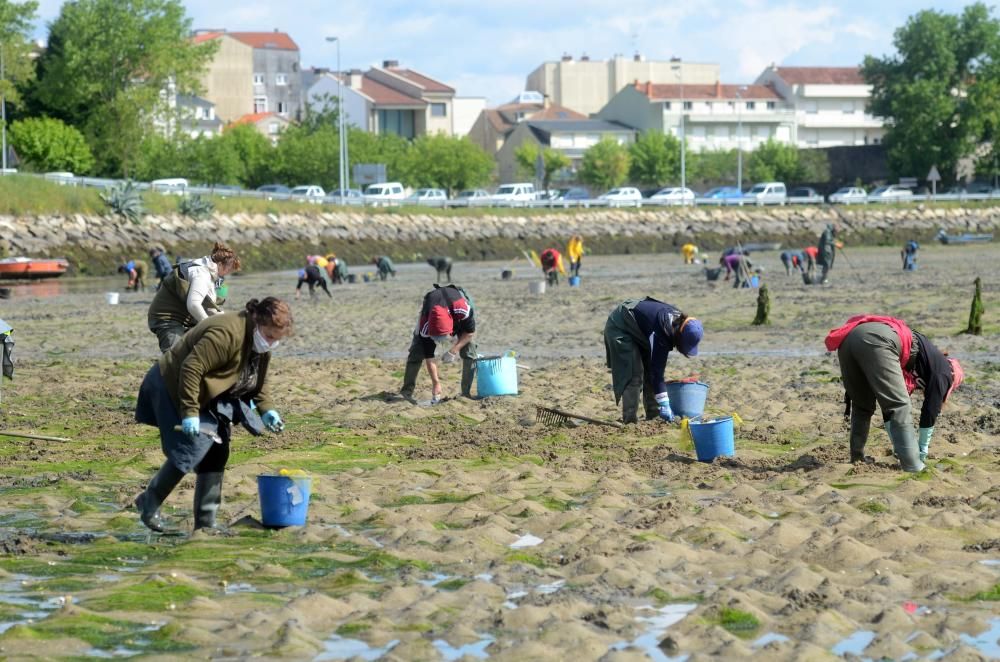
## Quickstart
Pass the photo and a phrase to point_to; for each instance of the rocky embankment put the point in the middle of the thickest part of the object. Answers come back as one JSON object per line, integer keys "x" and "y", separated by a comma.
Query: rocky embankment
{"x": 94, "y": 244}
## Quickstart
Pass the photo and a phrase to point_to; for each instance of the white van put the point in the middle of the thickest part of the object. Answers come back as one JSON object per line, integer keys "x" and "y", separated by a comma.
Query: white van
{"x": 767, "y": 193}
{"x": 172, "y": 186}
{"x": 514, "y": 194}
{"x": 386, "y": 193}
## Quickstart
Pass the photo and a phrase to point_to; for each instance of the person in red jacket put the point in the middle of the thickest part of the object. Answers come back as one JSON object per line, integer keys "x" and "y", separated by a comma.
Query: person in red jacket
{"x": 882, "y": 361}
{"x": 447, "y": 312}
{"x": 552, "y": 265}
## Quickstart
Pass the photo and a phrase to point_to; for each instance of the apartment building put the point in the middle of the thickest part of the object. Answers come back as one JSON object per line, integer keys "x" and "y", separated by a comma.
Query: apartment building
{"x": 391, "y": 99}
{"x": 830, "y": 105}
{"x": 587, "y": 85}
{"x": 715, "y": 117}
{"x": 253, "y": 72}
{"x": 494, "y": 126}
{"x": 571, "y": 137}
{"x": 269, "y": 125}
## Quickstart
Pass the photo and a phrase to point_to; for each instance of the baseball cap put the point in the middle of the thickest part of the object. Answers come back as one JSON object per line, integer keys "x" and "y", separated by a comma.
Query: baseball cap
{"x": 690, "y": 335}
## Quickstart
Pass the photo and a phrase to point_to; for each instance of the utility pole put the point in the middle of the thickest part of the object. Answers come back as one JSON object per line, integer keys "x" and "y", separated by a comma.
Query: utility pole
{"x": 739, "y": 137}
{"x": 679, "y": 68}
{"x": 342, "y": 151}
{"x": 3, "y": 111}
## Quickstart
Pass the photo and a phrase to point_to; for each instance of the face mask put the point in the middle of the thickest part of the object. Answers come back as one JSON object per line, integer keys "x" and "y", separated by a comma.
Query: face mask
{"x": 440, "y": 339}
{"x": 260, "y": 344}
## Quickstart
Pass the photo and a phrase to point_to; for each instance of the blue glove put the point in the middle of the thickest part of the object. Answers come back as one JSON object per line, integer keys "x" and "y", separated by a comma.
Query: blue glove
{"x": 666, "y": 413}
{"x": 272, "y": 421}
{"x": 191, "y": 426}
{"x": 924, "y": 443}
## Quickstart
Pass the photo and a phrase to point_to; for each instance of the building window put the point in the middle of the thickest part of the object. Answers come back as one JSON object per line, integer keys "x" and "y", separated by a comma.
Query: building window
{"x": 666, "y": 105}
{"x": 751, "y": 105}
{"x": 282, "y": 108}
{"x": 260, "y": 104}
{"x": 848, "y": 107}
{"x": 281, "y": 79}
{"x": 771, "y": 105}
{"x": 688, "y": 105}
{"x": 258, "y": 79}
{"x": 439, "y": 110}
{"x": 273, "y": 128}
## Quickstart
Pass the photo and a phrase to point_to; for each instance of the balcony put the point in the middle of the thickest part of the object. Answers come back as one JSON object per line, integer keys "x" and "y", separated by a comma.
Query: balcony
{"x": 835, "y": 120}
{"x": 777, "y": 116}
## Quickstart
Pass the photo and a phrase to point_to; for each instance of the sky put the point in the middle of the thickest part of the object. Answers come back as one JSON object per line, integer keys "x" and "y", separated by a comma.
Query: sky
{"x": 487, "y": 49}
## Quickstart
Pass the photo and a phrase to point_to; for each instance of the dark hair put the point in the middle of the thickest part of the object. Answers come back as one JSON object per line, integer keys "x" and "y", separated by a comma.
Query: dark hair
{"x": 222, "y": 254}
{"x": 272, "y": 311}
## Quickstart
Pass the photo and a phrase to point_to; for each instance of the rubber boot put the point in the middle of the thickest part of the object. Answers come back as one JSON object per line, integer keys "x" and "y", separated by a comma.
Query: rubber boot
{"x": 860, "y": 426}
{"x": 630, "y": 404}
{"x": 160, "y": 486}
{"x": 904, "y": 445}
{"x": 207, "y": 499}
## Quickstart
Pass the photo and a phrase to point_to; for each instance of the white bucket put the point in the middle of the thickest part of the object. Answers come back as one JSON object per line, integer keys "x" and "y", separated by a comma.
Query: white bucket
{"x": 112, "y": 298}
{"x": 537, "y": 287}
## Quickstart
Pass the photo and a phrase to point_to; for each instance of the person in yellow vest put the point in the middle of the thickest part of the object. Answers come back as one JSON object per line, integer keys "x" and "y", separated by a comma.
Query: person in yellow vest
{"x": 689, "y": 251}
{"x": 574, "y": 249}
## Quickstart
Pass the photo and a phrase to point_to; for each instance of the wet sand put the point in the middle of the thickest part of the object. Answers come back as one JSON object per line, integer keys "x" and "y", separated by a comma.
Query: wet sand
{"x": 468, "y": 529}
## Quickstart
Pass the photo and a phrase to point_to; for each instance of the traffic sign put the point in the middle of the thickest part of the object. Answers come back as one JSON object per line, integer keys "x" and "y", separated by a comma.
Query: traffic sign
{"x": 934, "y": 175}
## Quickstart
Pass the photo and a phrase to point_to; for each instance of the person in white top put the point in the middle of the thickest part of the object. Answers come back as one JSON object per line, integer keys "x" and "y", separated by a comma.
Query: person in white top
{"x": 188, "y": 294}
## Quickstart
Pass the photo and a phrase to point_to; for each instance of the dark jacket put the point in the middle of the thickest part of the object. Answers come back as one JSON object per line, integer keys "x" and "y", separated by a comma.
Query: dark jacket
{"x": 449, "y": 300}
{"x": 649, "y": 324}
{"x": 826, "y": 248}
{"x": 162, "y": 265}
{"x": 934, "y": 376}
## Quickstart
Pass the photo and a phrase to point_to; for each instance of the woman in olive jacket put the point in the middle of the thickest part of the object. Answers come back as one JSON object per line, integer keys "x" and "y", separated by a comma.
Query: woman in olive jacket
{"x": 197, "y": 390}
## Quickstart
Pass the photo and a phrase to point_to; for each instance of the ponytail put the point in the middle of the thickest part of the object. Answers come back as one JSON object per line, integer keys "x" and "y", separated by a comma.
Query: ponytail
{"x": 270, "y": 312}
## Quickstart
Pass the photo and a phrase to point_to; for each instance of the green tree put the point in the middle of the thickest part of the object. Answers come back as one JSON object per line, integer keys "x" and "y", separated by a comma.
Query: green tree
{"x": 302, "y": 157}
{"x": 254, "y": 153}
{"x": 552, "y": 162}
{"x": 713, "y": 168}
{"x": 605, "y": 165}
{"x": 158, "y": 158}
{"x": 446, "y": 162}
{"x": 107, "y": 63}
{"x": 814, "y": 166}
{"x": 211, "y": 161}
{"x": 16, "y": 22}
{"x": 773, "y": 161}
{"x": 48, "y": 144}
{"x": 655, "y": 158}
{"x": 387, "y": 148}
{"x": 928, "y": 88}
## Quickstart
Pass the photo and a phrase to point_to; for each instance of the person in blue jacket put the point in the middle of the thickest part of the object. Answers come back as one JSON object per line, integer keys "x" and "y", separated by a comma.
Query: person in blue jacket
{"x": 909, "y": 255}
{"x": 638, "y": 337}
{"x": 161, "y": 264}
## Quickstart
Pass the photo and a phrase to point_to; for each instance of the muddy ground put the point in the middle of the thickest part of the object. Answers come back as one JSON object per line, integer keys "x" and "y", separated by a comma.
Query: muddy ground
{"x": 468, "y": 529}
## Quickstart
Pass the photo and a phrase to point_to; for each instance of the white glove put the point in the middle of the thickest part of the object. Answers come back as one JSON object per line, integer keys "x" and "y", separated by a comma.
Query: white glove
{"x": 449, "y": 357}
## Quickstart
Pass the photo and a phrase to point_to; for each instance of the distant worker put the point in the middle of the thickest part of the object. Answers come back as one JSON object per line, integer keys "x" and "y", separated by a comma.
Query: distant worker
{"x": 161, "y": 264}
{"x": 812, "y": 254}
{"x": 739, "y": 266}
{"x": 882, "y": 361}
{"x": 443, "y": 266}
{"x": 336, "y": 269}
{"x": 552, "y": 265}
{"x": 312, "y": 276}
{"x": 909, "y": 255}
{"x": 827, "y": 250}
{"x": 574, "y": 251}
{"x": 638, "y": 337}
{"x": 447, "y": 312}
{"x": 188, "y": 294}
{"x": 385, "y": 266}
{"x": 690, "y": 253}
{"x": 136, "y": 271}
{"x": 197, "y": 391}
{"x": 793, "y": 260}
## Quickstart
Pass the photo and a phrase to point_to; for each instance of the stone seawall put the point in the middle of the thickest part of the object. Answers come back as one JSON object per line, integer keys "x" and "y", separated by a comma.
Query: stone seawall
{"x": 95, "y": 244}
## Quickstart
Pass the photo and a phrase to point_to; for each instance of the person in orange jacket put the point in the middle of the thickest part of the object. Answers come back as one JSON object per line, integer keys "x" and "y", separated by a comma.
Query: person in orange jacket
{"x": 552, "y": 265}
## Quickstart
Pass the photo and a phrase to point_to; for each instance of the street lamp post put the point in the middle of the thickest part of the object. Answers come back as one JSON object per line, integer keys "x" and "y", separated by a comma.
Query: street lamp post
{"x": 3, "y": 113}
{"x": 680, "y": 79}
{"x": 739, "y": 137}
{"x": 342, "y": 153}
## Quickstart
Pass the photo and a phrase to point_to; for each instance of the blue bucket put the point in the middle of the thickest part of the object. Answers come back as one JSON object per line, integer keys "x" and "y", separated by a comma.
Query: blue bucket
{"x": 574, "y": 281}
{"x": 687, "y": 399}
{"x": 713, "y": 438}
{"x": 284, "y": 500}
{"x": 496, "y": 375}
{"x": 754, "y": 281}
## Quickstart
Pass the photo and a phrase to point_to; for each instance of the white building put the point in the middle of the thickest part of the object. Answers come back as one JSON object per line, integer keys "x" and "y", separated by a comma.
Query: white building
{"x": 586, "y": 85}
{"x": 571, "y": 137}
{"x": 715, "y": 117}
{"x": 830, "y": 105}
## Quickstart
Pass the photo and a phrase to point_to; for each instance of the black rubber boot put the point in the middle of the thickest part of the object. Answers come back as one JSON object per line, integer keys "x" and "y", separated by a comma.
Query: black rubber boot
{"x": 148, "y": 503}
{"x": 207, "y": 499}
{"x": 860, "y": 426}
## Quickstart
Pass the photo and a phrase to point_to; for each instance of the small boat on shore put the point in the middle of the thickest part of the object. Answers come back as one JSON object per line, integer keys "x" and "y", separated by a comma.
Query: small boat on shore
{"x": 963, "y": 238}
{"x": 30, "y": 268}
{"x": 757, "y": 246}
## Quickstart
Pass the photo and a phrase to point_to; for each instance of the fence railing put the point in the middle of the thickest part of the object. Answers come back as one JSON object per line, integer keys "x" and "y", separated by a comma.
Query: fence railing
{"x": 234, "y": 192}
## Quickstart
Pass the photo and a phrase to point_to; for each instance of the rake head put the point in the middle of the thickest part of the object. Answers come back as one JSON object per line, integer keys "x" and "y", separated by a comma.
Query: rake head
{"x": 548, "y": 416}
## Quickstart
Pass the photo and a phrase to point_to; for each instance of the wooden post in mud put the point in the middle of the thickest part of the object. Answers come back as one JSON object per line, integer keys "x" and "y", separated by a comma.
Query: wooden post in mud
{"x": 976, "y": 314}
{"x": 763, "y": 307}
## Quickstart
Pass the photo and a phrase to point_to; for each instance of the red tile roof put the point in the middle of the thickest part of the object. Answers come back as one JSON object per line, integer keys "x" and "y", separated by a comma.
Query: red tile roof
{"x": 429, "y": 84}
{"x": 383, "y": 95}
{"x": 556, "y": 112}
{"x": 274, "y": 40}
{"x": 253, "y": 118}
{"x": 821, "y": 75}
{"x": 671, "y": 92}
{"x": 201, "y": 38}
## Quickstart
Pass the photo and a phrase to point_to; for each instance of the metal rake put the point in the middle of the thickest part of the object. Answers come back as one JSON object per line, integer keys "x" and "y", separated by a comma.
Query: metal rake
{"x": 549, "y": 416}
